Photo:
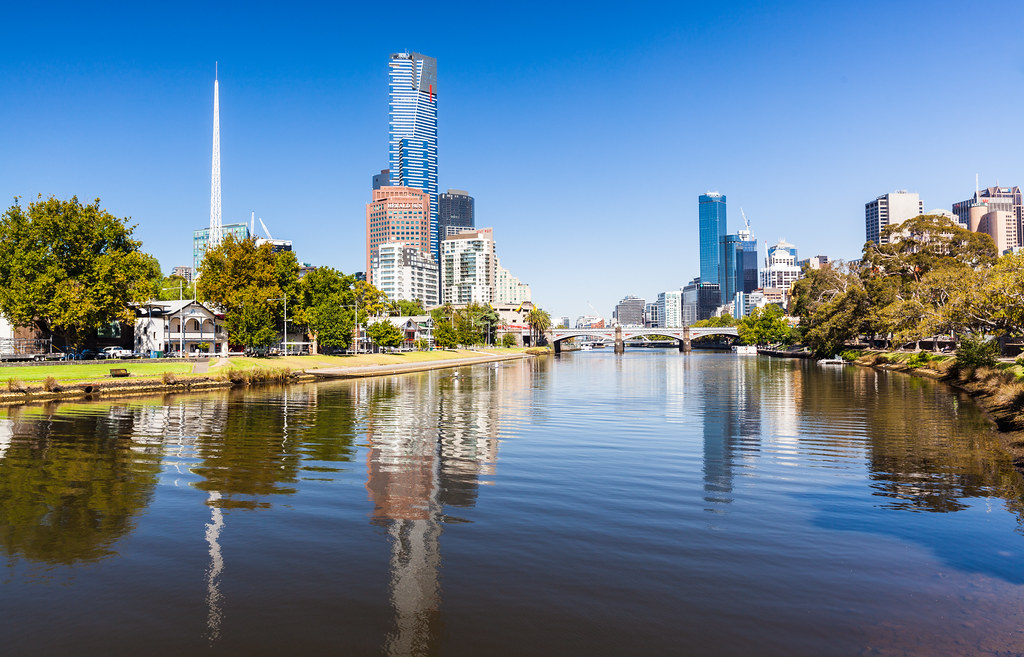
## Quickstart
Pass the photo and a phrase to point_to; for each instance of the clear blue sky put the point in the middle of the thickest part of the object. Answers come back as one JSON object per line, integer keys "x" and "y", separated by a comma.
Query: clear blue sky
{"x": 585, "y": 131}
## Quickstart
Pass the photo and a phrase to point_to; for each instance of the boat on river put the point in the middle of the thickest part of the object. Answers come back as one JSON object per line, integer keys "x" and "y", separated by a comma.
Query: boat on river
{"x": 745, "y": 349}
{"x": 835, "y": 360}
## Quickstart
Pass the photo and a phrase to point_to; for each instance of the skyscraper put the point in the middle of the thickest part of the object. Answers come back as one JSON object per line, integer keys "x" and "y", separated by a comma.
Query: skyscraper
{"x": 215, "y": 214}
{"x": 396, "y": 214}
{"x": 455, "y": 209}
{"x": 412, "y": 129}
{"x": 711, "y": 218}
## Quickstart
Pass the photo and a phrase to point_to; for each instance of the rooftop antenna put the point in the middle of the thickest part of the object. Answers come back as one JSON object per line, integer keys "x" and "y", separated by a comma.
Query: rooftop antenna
{"x": 265, "y": 230}
{"x": 252, "y": 223}
{"x": 975, "y": 188}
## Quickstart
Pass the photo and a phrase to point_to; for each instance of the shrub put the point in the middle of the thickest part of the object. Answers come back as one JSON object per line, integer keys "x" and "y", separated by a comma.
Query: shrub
{"x": 849, "y": 355}
{"x": 50, "y": 384}
{"x": 169, "y": 378}
{"x": 919, "y": 359}
{"x": 14, "y": 385}
{"x": 976, "y": 351}
{"x": 508, "y": 340}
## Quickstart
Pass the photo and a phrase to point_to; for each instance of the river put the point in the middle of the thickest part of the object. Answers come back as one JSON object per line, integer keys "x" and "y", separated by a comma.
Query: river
{"x": 652, "y": 503}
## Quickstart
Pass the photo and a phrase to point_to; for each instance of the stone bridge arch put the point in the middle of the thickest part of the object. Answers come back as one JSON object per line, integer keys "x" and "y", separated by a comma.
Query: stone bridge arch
{"x": 684, "y": 336}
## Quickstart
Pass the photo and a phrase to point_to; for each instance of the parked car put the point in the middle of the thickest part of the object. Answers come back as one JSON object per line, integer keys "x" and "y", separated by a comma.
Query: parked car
{"x": 91, "y": 354}
{"x": 117, "y": 352}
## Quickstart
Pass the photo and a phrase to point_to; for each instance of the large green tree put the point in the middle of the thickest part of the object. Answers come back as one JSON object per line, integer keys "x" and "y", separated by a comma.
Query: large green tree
{"x": 239, "y": 274}
{"x": 764, "y": 326}
{"x": 69, "y": 268}
{"x": 539, "y": 321}
{"x": 832, "y": 304}
{"x": 328, "y": 307}
{"x": 385, "y": 334}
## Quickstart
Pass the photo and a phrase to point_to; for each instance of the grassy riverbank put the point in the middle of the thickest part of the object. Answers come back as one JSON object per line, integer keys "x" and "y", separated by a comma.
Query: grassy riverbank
{"x": 29, "y": 382}
{"x": 999, "y": 389}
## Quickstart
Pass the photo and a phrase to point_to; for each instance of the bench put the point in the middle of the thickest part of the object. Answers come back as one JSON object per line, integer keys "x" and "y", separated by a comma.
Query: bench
{"x": 118, "y": 372}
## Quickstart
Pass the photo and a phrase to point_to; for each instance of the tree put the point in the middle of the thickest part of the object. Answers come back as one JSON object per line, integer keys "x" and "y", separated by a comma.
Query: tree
{"x": 832, "y": 305}
{"x": 404, "y": 308}
{"x": 248, "y": 283}
{"x": 327, "y": 307}
{"x": 539, "y": 321}
{"x": 385, "y": 334}
{"x": 508, "y": 340}
{"x": 444, "y": 330}
{"x": 764, "y": 326}
{"x": 69, "y": 269}
{"x": 723, "y": 321}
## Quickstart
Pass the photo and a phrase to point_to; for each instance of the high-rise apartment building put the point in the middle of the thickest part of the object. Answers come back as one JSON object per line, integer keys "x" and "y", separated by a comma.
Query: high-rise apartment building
{"x": 712, "y": 227}
{"x": 469, "y": 268}
{"x": 455, "y": 210}
{"x": 888, "y": 209}
{"x": 397, "y": 214}
{"x": 1001, "y": 226}
{"x": 405, "y": 273}
{"x": 508, "y": 288}
{"x": 412, "y": 129}
{"x": 670, "y": 309}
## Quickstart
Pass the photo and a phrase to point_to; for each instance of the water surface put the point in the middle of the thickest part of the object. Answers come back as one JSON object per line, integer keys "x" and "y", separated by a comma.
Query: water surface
{"x": 653, "y": 503}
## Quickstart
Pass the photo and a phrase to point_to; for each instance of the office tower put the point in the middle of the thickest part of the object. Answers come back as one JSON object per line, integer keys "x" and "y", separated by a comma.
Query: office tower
{"x": 397, "y": 214}
{"x": 652, "y": 315}
{"x": 1005, "y": 199}
{"x": 454, "y": 212}
{"x": 382, "y": 179}
{"x": 468, "y": 268}
{"x": 630, "y": 311}
{"x": 1001, "y": 226}
{"x": 183, "y": 272}
{"x": 216, "y": 232}
{"x": 405, "y": 273}
{"x": 412, "y": 129}
{"x": 888, "y": 209}
{"x": 712, "y": 225}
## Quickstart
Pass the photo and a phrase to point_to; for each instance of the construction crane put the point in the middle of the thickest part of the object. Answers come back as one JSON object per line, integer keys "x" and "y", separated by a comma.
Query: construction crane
{"x": 269, "y": 236}
{"x": 746, "y": 222}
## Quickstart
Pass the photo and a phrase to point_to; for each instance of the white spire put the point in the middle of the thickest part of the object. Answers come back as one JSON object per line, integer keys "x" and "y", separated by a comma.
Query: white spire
{"x": 215, "y": 215}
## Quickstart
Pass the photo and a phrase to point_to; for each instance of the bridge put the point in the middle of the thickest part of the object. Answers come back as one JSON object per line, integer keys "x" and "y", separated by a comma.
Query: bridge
{"x": 621, "y": 333}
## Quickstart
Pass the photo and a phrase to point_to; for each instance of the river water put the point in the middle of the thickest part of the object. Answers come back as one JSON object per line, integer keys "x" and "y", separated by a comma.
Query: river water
{"x": 653, "y": 503}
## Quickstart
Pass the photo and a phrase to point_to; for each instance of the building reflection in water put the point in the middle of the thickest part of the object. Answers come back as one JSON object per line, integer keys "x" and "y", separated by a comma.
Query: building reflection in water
{"x": 432, "y": 438}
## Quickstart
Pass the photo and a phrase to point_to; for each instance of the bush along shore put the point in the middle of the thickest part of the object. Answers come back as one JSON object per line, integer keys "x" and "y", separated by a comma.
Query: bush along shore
{"x": 236, "y": 373}
{"x": 997, "y": 386}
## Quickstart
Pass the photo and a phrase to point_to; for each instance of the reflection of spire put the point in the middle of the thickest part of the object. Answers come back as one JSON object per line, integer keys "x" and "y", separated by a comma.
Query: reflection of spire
{"x": 214, "y": 599}
{"x": 5, "y": 436}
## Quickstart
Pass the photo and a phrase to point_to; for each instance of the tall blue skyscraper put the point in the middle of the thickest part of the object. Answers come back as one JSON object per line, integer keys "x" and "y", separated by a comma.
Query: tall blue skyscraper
{"x": 412, "y": 129}
{"x": 711, "y": 217}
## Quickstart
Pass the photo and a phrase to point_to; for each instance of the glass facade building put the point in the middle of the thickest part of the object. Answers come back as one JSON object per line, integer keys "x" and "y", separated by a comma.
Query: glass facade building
{"x": 712, "y": 224}
{"x": 412, "y": 129}
{"x": 455, "y": 209}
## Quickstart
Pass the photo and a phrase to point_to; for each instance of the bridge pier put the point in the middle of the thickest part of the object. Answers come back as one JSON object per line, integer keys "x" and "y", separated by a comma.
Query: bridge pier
{"x": 558, "y": 346}
{"x": 685, "y": 345}
{"x": 620, "y": 346}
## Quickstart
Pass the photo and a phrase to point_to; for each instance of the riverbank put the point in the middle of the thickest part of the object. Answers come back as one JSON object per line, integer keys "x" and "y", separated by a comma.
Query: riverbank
{"x": 76, "y": 381}
{"x": 999, "y": 390}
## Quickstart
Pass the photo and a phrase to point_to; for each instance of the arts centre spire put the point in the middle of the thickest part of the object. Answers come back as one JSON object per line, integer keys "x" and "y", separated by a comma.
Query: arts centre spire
{"x": 215, "y": 215}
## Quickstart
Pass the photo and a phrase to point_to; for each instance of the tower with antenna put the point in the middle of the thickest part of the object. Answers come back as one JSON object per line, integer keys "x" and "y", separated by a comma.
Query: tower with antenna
{"x": 215, "y": 213}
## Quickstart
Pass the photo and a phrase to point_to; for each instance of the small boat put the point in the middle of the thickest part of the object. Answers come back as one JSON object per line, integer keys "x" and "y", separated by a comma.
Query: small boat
{"x": 835, "y": 360}
{"x": 745, "y": 349}
{"x": 586, "y": 347}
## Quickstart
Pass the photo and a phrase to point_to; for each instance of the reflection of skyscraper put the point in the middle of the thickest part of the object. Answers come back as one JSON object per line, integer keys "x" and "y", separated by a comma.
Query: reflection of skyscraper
{"x": 732, "y": 415}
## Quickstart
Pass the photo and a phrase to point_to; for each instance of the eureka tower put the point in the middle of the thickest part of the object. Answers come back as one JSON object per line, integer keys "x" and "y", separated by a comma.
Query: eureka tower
{"x": 412, "y": 129}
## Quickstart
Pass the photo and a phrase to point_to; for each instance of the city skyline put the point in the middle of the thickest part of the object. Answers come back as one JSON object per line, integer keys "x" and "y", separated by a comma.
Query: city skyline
{"x": 556, "y": 144}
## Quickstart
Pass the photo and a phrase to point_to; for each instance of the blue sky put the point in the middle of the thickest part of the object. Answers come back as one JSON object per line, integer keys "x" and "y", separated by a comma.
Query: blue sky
{"x": 584, "y": 131}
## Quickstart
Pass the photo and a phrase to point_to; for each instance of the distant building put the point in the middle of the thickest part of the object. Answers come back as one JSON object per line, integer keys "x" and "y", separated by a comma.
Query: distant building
{"x": 405, "y": 273}
{"x": 469, "y": 268}
{"x": 179, "y": 327}
{"x": 652, "y": 315}
{"x": 455, "y": 212}
{"x": 563, "y": 322}
{"x": 670, "y": 309}
{"x": 1001, "y": 226}
{"x": 711, "y": 217}
{"x": 589, "y": 321}
{"x": 382, "y": 179}
{"x": 817, "y": 262}
{"x": 630, "y": 311}
{"x": 305, "y": 268}
{"x": 201, "y": 239}
{"x": 992, "y": 198}
{"x": 699, "y": 301}
{"x": 397, "y": 214}
{"x": 508, "y": 288}
{"x": 888, "y": 209}
{"x": 780, "y": 268}
{"x": 183, "y": 272}
{"x": 276, "y": 246}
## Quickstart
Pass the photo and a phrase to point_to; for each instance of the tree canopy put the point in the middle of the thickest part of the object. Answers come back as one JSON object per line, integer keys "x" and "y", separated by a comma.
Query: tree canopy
{"x": 69, "y": 268}
{"x": 764, "y": 326}
{"x": 385, "y": 334}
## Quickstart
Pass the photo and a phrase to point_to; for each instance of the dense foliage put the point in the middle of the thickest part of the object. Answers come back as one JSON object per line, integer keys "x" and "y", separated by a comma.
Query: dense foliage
{"x": 69, "y": 268}
{"x": 385, "y": 334}
{"x": 764, "y": 326}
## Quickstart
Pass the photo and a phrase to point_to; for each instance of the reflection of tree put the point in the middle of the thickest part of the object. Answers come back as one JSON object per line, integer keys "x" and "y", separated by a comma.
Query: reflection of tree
{"x": 71, "y": 486}
{"x": 927, "y": 451}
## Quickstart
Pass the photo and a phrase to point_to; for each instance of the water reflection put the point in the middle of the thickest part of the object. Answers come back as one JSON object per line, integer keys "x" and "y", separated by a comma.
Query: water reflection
{"x": 71, "y": 483}
{"x": 731, "y": 412}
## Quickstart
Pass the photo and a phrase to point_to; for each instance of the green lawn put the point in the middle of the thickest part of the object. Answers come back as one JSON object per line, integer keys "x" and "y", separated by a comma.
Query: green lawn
{"x": 92, "y": 370}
